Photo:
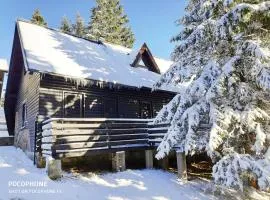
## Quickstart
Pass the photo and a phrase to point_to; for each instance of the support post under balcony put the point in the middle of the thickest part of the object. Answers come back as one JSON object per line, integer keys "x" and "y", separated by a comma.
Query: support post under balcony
{"x": 149, "y": 159}
{"x": 181, "y": 165}
{"x": 119, "y": 161}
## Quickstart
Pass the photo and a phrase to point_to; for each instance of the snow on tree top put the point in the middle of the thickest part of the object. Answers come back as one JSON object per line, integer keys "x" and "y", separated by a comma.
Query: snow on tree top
{"x": 3, "y": 64}
{"x": 51, "y": 51}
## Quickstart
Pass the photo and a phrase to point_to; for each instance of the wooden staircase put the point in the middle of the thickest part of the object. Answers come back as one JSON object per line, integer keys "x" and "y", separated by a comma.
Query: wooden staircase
{"x": 5, "y": 139}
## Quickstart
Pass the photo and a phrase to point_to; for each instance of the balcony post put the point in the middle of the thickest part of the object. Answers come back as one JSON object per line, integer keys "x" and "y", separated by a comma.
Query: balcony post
{"x": 181, "y": 165}
{"x": 54, "y": 168}
{"x": 149, "y": 159}
{"x": 118, "y": 161}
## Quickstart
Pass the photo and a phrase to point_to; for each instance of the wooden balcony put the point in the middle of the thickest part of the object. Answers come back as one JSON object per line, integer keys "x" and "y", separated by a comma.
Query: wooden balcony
{"x": 76, "y": 137}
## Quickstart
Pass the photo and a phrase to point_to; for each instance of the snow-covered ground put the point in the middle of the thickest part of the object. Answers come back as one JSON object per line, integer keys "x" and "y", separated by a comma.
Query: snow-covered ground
{"x": 16, "y": 171}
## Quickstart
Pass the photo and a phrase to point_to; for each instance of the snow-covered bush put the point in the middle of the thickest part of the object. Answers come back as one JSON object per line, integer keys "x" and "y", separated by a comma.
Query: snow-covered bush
{"x": 234, "y": 169}
{"x": 222, "y": 70}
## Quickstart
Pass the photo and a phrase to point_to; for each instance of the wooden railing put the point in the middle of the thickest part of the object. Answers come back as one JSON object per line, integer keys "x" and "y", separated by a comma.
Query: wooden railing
{"x": 74, "y": 137}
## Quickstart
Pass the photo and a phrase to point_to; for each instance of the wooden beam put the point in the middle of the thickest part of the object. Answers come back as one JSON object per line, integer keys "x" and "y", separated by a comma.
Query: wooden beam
{"x": 97, "y": 151}
{"x": 59, "y": 126}
{"x": 96, "y": 120}
{"x": 80, "y": 145}
{"x": 77, "y": 132}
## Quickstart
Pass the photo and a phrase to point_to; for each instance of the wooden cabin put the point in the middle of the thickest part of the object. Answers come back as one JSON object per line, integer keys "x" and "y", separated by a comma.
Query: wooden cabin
{"x": 78, "y": 88}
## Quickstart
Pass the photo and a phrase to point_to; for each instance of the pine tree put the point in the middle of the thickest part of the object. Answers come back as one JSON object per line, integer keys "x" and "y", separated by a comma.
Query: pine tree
{"x": 78, "y": 27}
{"x": 65, "y": 25}
{"x": 38, "y": 19}
{"x": 109, "y": 23}
{"x": 222, "y": 72}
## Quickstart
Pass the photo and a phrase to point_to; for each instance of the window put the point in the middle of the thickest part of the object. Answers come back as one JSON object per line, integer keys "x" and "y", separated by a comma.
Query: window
{"x": 24, "y": 115}
{"x": 94, "y": 106}
{"x": 73, "y": 104}
{"x": 129, "y": 108}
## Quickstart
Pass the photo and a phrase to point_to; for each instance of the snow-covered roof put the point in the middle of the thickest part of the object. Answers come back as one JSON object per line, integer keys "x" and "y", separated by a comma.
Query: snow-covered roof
{"x": 51, "y": 51}
{"x": 163, "y": 65}
{"x": 3, "y": 64}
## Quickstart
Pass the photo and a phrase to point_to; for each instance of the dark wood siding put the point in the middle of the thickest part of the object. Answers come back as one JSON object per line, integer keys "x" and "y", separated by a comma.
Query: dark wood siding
{"x": 29, "y": 94}
{"x": 99, "y": 102}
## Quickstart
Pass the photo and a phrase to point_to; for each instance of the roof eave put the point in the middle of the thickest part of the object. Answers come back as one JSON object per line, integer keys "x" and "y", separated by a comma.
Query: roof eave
{"x": 97, "y": 81}
{"x": 26, "y": 66}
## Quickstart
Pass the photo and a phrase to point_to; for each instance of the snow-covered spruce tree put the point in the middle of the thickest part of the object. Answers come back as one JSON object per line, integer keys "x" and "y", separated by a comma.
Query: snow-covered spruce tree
{"x": 109, "y": 23}
{"x": 79, "y": 27}
{"x": 65, "y": 25}
{"x": 38, "y": 19}
{"x": 222, "y": 70}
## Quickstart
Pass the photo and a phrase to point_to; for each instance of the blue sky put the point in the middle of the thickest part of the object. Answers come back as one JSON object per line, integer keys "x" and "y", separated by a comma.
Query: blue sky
{"x": 152, "y": 21}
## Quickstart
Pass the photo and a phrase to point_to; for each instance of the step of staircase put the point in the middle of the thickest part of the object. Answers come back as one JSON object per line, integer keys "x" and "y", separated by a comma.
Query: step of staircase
{"x": 6, "y": 141}
{"x": 3, "y": 128}
{"x": 4, "y": 133}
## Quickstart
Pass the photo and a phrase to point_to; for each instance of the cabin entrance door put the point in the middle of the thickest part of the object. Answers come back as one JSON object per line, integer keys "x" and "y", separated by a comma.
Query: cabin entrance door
{"x": 146, "y": 112}
{"x": 72, "y": 104}
{"x": 110, "y": 108}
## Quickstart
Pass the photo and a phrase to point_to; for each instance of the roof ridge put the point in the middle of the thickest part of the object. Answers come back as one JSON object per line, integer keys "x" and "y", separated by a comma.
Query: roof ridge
{"x": 87, "y": 39}
{"x": 81, "y": 37}
{"x": 58, "y": 30}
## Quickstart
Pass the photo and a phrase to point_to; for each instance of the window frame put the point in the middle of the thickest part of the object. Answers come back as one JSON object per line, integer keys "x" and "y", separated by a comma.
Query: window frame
{"x": 24, "y": 114}
{"x": 81, "y": 109}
